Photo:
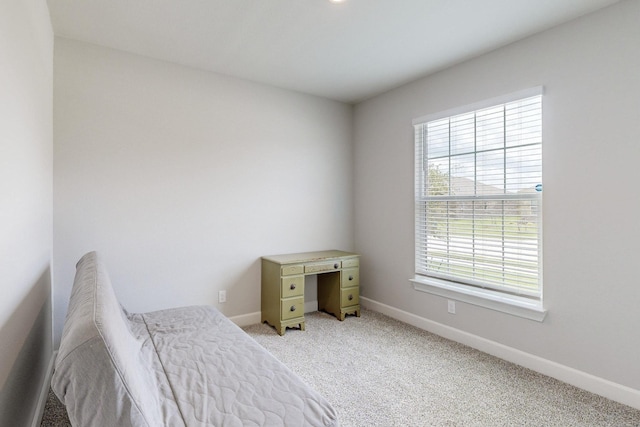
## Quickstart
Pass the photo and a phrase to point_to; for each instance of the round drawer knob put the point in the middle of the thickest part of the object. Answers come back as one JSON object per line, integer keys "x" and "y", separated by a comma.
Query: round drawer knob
{"x": 293, "y": 308}
{"x": 350, "y": 277}
{"x": 350, "y": 297}
{"x": 335, "y": 265}
{"x": 292, "y": 287}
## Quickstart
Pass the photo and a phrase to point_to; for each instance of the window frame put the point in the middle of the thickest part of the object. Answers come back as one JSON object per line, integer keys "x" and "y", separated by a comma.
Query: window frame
{"x": 527, "y": 306}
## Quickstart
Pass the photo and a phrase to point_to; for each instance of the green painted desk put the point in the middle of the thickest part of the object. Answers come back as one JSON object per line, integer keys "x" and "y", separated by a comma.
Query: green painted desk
{"x": 283, "y": 286}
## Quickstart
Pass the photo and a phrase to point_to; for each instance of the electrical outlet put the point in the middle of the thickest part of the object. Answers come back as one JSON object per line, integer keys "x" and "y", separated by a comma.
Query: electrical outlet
{"x": 222, "y": 296}
{"x": 451, "y": 306}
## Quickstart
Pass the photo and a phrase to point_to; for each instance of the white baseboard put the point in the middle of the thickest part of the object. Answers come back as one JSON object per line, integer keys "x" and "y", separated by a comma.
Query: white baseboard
{"x": 310, "y": 306}
{"x": 44, "y": 392}
{"x": 610, "y": 390}
{"x": 247, "y": 319}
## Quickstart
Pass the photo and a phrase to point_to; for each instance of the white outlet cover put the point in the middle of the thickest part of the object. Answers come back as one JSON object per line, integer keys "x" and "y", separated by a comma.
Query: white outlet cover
{"x": 451, "y": 306}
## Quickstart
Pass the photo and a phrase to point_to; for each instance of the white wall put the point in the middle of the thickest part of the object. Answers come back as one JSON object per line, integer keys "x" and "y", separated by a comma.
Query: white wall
{"x": 183, "y": 178}
{"x": 26, "y": 88}
{"x": 590, "y": 69}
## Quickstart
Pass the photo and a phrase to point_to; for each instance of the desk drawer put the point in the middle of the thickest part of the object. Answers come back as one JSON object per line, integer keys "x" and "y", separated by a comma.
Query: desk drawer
{"x": 349, "y": 296}
{"x": 350, "y": 277}
{"x": 291, "y": 308}
{"x": 353, "y": 262}
{"x": 292, "y": 286}
{"x": 322, "y": 266}
{"x": 288, "y": 270}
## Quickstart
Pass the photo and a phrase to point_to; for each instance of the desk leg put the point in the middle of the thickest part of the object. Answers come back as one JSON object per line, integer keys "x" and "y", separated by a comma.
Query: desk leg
{"x": 282, "y": 328}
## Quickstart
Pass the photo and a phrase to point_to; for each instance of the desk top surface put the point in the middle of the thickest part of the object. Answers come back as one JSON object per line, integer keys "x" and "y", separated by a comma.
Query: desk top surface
{"x": 303, "y": 257}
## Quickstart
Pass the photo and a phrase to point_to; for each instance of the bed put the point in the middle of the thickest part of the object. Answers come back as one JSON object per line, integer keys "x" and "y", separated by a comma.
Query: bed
{"x": 186, "y": 366}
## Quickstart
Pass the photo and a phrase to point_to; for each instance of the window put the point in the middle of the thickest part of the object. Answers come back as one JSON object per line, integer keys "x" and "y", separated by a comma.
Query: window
{"x": 478, "y": 198}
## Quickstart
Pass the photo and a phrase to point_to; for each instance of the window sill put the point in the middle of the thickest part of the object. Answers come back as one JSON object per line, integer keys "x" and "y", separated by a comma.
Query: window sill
{"x": 510, "y": 304}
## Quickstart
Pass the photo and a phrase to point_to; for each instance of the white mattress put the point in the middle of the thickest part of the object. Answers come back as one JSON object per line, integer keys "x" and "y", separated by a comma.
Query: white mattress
{"x": 220, "y": 376}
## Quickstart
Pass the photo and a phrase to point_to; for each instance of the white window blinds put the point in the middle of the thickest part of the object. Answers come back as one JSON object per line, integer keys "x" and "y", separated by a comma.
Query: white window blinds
{"x": 478, "y": 196}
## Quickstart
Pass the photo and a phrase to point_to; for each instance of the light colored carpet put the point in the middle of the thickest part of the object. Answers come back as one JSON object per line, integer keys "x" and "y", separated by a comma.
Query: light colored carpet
{"x": 55, "y": 414}
{"x": 377, "y": 371}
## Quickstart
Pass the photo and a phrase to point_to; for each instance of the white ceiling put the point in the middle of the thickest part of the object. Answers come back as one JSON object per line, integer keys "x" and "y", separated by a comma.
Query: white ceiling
{"x": 348, "y": 52}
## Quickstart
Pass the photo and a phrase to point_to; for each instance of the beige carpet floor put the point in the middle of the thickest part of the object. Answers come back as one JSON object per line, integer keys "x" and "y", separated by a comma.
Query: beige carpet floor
{"x": 377, "y": 371}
